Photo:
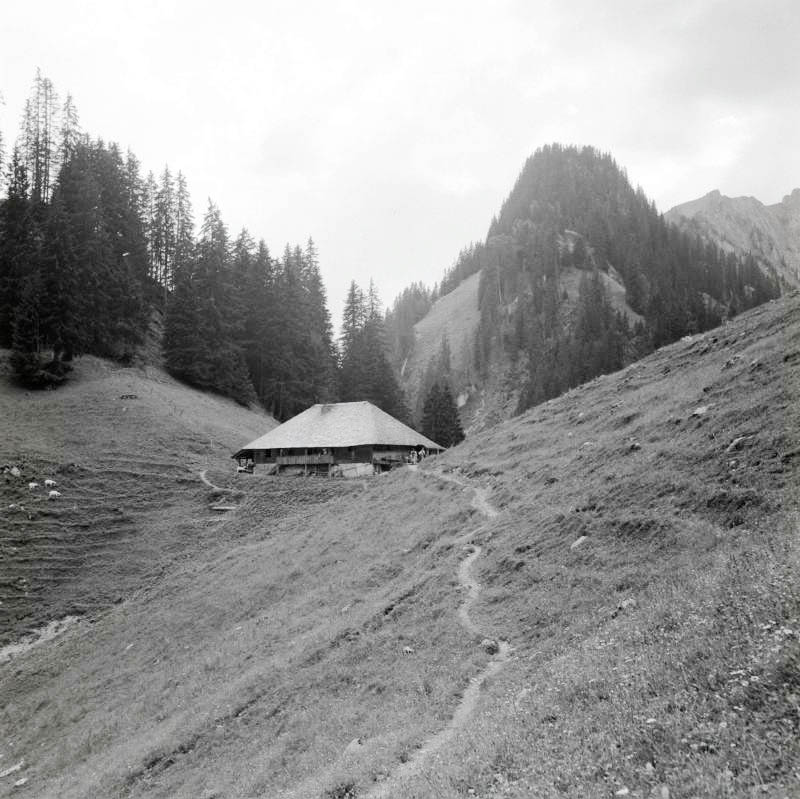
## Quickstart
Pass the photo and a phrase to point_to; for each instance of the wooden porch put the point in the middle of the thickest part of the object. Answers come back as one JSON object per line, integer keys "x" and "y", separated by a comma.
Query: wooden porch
{"x": 317, "y": 459}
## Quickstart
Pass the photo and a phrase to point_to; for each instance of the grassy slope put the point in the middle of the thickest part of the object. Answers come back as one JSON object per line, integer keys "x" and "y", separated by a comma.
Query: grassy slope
{"x": 248, "y": 667}
{"x": 570, "y": 281}
{"x": 696, "y": 686}
{"x": 127, "y": 470}
{"x": 456, "y": 315}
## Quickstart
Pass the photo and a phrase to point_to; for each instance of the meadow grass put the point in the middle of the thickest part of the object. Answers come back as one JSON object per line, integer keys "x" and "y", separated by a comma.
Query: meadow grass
{"x": 659, "y": 657}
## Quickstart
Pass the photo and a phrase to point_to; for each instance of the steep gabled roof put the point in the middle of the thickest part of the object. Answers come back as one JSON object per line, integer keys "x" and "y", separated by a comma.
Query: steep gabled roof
{"x": 341, "y": 424}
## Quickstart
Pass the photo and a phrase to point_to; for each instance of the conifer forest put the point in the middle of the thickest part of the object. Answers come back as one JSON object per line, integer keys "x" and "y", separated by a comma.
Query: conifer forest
{"x": 95, "y": 256}
{"x": 98, "y": 258}
{"x": 574, "y": 209}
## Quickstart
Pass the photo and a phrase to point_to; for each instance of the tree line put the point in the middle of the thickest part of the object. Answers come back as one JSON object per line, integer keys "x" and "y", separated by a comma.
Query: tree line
{"x": 94, "y": 258}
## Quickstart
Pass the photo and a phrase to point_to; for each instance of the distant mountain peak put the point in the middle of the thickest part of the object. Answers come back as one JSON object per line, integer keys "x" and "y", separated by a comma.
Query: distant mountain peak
{"x": 792, "y": 199}
{"x": 570, "y": 282}
{"x": 771, "y": 233}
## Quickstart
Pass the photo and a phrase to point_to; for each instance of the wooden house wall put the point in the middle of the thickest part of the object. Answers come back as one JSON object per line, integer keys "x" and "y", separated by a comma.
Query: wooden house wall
{"x": 361, "y": 454}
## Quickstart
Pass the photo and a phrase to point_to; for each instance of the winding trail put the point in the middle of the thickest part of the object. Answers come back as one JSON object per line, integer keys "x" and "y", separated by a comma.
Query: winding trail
{"x": 392, "y": 785}
{"x": 208, "y": 482}
{"x": 480, "y": 498}
{"x": 466, "y": 580}
{"x": 469, "y": 699}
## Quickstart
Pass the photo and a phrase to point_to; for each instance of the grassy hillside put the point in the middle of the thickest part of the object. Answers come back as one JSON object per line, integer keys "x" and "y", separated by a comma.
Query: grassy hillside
{"x": 642, "y": 566}
{"x": 125, "y": 447}
{"x": 454, "y": 316}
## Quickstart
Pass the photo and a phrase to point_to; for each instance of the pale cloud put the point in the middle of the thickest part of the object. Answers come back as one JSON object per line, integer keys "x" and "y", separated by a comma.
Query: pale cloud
{"x": 391, "y": 132}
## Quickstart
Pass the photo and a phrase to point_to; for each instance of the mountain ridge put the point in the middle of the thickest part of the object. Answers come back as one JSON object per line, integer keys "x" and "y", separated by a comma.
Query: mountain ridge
{"x": 745, "y": 225}
{"x": 579, "y": 274}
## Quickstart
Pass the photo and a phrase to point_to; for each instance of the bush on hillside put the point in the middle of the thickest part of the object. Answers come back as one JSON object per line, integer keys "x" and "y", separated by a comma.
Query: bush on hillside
{"x": 33, "y": 371}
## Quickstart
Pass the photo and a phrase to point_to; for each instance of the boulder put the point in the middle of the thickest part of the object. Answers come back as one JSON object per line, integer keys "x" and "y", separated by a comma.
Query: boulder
{"x": 490, "y": 646}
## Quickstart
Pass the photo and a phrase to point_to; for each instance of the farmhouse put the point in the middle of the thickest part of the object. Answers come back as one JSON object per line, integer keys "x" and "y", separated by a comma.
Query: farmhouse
{"x": 346, "y": 438}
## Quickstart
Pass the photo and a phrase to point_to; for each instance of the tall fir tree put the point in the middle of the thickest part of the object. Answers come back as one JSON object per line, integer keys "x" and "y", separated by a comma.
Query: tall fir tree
{"x": 164, "y": 232}
{"x": 438, "y": 370}
{"x": 366, "y": 372}
{"x": 184, "y": 224}
{"x": 320, "y": 329}
{"x": 440, "y": 420}
{"x": 38, "y": 137}
{"x": 18, "y": 242}
{"x": 200, "y": 343}
{"x": 69, "y": 131}
{"x": 149, "y": 222}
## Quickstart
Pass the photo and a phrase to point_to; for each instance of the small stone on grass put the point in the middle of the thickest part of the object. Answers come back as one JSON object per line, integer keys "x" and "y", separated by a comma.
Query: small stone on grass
{"x": 578, "y": 542}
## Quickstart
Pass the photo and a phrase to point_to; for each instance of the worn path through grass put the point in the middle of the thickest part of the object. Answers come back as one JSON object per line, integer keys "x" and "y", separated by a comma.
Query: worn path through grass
{"x": 500, "y": 649}
{"x": 644, "y": 565}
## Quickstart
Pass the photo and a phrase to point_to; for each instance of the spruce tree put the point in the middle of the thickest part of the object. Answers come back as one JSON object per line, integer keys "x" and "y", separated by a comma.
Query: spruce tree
{"x": 182, "y": 324}
{"x": 184, "y": 224}
{"x": 200, "y": 343}
{"x": 69, "y": 132}
{"x": 453, "y": 431}
{"x": 150, "y": 226}
{"x": 438, "y": 370}
{"x": 366, "y": 373}
{"x": 17, "y": 243}
{"x": 68, "y": 284}
{"x": 164, "y": 231}
{"x": 38, "y": 137}
{"x": 262, "y": 322}
{"x": 320, "y": 329}
{"x": 29, "y": 360}
{"x": 353, "y": 318}
{"x": 440, "y": 420}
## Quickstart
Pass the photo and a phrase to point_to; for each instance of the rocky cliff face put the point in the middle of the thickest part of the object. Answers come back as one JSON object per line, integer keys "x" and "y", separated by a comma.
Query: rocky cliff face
{"x": 744, "y": 224}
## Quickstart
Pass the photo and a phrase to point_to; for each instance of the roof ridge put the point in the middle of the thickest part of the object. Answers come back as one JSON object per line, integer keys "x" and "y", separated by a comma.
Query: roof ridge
{"x": 341, "y": 424}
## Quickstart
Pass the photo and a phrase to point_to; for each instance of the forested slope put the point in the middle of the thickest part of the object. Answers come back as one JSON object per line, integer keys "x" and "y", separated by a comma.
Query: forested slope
{"x": 89, "y": 247}
{"x": 580, "y": 275}
{"x": 91, "y": 251}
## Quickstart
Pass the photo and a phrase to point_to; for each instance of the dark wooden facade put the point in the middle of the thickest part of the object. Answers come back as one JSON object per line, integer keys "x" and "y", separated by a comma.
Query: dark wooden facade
{"x": 308, "y": 460}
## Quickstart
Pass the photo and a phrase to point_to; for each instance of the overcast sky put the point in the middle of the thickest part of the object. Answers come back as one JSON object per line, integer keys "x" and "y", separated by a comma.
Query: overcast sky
{"x": 392, "y": 131}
